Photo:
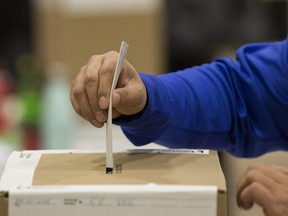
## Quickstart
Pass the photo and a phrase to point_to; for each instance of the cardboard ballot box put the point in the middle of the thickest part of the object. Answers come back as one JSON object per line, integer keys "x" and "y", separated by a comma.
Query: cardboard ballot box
{"x": 146, "y": 182}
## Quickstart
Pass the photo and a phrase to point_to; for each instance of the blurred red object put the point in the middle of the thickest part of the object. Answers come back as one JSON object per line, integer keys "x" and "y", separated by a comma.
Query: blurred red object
{"x": 31, "y": 139}
{"x": 5, "y": 91}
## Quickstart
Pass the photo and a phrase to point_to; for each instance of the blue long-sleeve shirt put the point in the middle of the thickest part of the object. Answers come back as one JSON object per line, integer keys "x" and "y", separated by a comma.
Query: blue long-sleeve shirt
{"x": 237, "y": 106}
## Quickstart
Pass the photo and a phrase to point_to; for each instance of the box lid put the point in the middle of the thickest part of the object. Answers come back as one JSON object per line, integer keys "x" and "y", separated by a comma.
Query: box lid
{"x": 130, "y": 168}
{"x": 180, "y": 174}
{"x": 181, "y": 167}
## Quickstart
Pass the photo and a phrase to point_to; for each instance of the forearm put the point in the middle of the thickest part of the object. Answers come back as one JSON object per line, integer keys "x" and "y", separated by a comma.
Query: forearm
{"x": 238, "y": 106}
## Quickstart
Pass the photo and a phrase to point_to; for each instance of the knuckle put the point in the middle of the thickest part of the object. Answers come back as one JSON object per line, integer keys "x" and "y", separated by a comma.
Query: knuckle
{"x": 109, "y": 63}
{"x": 254, "y": 186}
{"x": 112, "y": 57}
{"x": 255, "y": 166}
{"x": 94, "y": 58}
{"x": 112, "y": 54}
{"x": 90, "y": 78}
{"x": 78, "y": 92}
{"x": 104, "y": 71}
{"x": 82, "y": 68}
{"x": 251, "y": 175}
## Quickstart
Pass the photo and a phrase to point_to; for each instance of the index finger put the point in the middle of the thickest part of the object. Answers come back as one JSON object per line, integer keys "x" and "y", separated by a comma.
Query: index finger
{"x": 80, "y": 99}
{"x": 255, "y": 173}
{"x": 92, "y": 83}
{"x": 254, "y": 193}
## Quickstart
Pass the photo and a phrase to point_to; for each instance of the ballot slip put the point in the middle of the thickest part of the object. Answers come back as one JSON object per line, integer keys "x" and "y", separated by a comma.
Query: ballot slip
{"x": 109, "y": 142}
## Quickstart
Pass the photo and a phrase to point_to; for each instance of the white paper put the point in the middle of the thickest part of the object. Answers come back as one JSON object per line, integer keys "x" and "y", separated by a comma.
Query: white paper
{"x": 140, "y": 200}
{"x": 19, "y": 169}
{"x": 170, "y": 151}
{"x": 109, "y": 145}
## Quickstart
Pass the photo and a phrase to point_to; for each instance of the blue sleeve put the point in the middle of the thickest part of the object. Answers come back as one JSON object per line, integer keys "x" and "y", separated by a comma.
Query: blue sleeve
{"x": 237, "y": 106}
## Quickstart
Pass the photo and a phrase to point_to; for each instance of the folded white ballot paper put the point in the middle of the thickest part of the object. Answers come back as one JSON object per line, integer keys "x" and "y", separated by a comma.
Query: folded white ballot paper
{"x": 141, "y": 199}
{"x": 109, "y": 144}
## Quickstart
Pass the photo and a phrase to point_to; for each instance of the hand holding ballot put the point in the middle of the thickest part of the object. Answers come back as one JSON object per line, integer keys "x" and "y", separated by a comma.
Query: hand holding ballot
{"x": 90, "y": 89}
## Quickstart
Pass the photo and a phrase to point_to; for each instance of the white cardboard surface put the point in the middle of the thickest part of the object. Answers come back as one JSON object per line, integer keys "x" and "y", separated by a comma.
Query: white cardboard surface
{"x": 149, "y": 199}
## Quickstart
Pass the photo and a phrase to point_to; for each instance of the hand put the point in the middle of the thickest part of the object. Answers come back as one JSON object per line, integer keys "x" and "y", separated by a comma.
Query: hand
{"x": 267, "y": 186}
{"x": 90, "y": 90}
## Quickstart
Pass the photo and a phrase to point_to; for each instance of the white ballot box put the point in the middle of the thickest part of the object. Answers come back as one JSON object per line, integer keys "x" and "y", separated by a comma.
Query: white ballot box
{"x": 144, "y": 182}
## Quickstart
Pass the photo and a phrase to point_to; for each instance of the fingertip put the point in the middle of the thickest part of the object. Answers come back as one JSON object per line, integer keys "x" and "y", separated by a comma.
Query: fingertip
{"x": 100, "y": 116}
{"x": 103, "y": 102}
{"x": 116, "y": 98}
{"x": 97, "y": 124}
{"x": 244, "y": 204}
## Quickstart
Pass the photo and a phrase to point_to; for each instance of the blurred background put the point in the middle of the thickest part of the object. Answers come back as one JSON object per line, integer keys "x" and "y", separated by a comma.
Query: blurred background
{"x": 43, "y": 43}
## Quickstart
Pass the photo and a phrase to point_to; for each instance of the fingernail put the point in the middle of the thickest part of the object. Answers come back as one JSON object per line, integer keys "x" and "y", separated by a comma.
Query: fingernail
{"x": 95, "y": 123}
{"x": 116, "y": 98}
{"x": 102, "y": 102}
{"x": 100, "y": 117}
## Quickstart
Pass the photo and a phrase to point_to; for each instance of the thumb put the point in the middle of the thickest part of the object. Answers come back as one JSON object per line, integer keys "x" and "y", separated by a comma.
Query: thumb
{"x": 120, "y": 101}
{"x": 116, "y": 99}
{"x": 129, "y": 101}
